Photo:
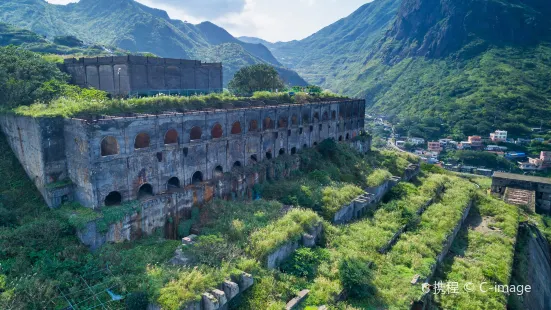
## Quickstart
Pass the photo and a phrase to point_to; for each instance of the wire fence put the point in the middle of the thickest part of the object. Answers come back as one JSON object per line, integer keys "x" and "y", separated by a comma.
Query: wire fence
{"x": 97, "y": 291}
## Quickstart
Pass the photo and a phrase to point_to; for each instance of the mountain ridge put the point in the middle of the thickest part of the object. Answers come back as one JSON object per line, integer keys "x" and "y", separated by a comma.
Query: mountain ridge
{"x": 135, "y": 27}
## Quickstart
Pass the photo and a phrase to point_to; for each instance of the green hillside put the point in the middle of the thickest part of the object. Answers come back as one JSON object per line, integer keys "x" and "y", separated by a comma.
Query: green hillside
{"x": 135, "y": 27}
{"x": 468, "y": 67}
{"x": 29, "y": 40}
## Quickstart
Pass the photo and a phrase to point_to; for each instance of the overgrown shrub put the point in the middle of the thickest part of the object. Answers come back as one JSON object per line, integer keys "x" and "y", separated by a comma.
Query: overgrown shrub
{"x": 304, "y": 262}
{"x": 356, "y": 276}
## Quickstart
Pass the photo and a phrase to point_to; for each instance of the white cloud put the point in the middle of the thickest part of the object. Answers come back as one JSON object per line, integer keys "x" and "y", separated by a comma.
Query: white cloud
{"x": 273, "y": 20}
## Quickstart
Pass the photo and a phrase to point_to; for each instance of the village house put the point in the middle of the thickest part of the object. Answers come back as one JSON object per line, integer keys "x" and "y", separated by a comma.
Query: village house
{"x": 499, "y": 136}
{"x": 435, "y": 146}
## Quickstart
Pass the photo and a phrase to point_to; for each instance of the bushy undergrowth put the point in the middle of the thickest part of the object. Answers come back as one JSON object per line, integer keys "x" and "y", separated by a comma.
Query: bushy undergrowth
{"x": 487, "y": 255}
{"x": 334, "y": 198}
{"x": 332, "y": 175}
{"x": 289, "y": 227}
{"x": 378, "y": 177}
{"x": 70, "y": 106}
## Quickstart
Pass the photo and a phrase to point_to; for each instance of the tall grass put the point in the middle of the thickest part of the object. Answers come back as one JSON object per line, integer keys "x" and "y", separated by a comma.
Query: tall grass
{"x": 72, "y": 107}
{"x": 290, "y": 227}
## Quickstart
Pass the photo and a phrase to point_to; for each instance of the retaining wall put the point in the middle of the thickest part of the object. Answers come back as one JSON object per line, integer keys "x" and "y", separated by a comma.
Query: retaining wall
{"x": 308, "y": 239}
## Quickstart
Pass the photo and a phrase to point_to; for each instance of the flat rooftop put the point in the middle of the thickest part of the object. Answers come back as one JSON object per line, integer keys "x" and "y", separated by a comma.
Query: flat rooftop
{"x": 521, "y": 177}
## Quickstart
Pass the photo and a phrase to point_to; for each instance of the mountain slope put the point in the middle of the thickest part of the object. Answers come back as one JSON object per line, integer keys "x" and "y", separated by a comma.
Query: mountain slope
{"x": 134, "y": 27}
{"x": 323, "y": 56}
{"x": 29, "y": 40}
{"x": 469, "y": 66}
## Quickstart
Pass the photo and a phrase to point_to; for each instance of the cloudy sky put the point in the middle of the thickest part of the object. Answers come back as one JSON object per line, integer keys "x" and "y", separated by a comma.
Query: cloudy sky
{"x": 272, "y": 20}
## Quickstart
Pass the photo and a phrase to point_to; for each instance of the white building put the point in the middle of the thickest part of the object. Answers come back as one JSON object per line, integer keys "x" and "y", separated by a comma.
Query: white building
{"x": 416, "y": 141}
{"x": 498, "y": 135}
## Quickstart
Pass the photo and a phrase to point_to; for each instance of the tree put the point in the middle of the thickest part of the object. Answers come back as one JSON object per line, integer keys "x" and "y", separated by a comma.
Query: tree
{"x": 26, "y": 77}
{"x": 255, "y": 78}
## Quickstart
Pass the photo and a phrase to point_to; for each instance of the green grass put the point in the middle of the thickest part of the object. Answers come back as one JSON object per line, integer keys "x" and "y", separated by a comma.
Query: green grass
{"x": 334, "y": 198}
{"x": 290, "y": 227}
{"x": 416, "y": 251}
{"x": 482, "y": 256}
{"x": 378, "y": 177}
{"x": 236, "y": 220}
{"x": 71, "y": 107}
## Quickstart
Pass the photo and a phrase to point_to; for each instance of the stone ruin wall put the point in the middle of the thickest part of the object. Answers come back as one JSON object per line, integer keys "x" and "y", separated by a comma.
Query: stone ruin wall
{"x": 64, "y": 156}
{"x": 123, "y": 75}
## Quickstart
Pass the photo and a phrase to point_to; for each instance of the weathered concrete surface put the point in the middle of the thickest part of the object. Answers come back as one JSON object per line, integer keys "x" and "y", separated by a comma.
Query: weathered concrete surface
{"x": 109, "y": 155}
{"x": 123, "y": 75}
{"x": 539, "y": 272}
{"x": 293, "y": 303}
{"x": 39, "y": 144}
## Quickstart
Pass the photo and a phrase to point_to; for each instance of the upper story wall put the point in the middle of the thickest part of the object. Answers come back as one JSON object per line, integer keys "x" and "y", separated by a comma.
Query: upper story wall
{"x": 134, "y": 75}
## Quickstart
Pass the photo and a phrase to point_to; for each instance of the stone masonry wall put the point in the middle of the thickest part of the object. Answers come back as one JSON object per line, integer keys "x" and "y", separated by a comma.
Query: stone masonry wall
{"x": 226, "y": 139}
{"x": 138, "y": 74}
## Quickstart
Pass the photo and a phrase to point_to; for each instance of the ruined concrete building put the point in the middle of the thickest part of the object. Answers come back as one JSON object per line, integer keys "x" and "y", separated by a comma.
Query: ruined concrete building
{"x": 170, "y": 162}
{"x": 109, "y": 160}
{"x": 138, "y": 75}
{"x": 534, "y": 192}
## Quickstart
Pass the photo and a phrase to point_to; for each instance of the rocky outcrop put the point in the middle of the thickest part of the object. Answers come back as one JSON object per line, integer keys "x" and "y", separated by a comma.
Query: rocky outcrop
{"x": 437, "y": 28}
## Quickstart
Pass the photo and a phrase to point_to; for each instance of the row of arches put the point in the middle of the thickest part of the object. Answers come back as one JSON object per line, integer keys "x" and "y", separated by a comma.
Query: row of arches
{"x": 110, "y": 146}
{"x": 146, "y": 190}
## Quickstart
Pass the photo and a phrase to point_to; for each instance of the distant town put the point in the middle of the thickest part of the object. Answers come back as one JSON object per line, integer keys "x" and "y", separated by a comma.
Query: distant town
{"x": 480, "y": 155}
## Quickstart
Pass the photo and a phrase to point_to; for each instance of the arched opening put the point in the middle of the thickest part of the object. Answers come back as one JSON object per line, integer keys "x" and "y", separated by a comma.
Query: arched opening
{"x": 236, "y": 128}
{"x": 340, "y": 138}
{"x": 333, "y": 115}
{"x": 171, "y": 137}
{"x": 254, "y": 158}
{"x": 109, "y": 146}
{"x": 173, "y": 183}
{"x": 282, "y": 123}
{"x": 316, "y": 117}
{"x": 236, "y": 165}
{"x": 113, "y": 199}
{"x": 341, "y": 115}
{"x": 320, "y": 127}
{"x": 269, "y": 155}
{"x": 216, "y": 131}
{"x": 142, "y": 141}
{"x": 218, "y": 172}
{"x": 293, "y": 151}
{"x": 325, "y": 116}
{"x": 197, "y": 177}
{"x": 315, "y": 144}
{"x": 281, "y": 151}
{"x": 294, "y": 120}
{"x": 305, "y": 118}
{"x": 195, "y": 133}
{"x": 267, "y": 124}
{"x": 146, "y": 190}
{"x": 304, "y": 146}
{"x": 311, "y": 128}
{"x": 253, "y": 125}
{"x": 347, "y": 136}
